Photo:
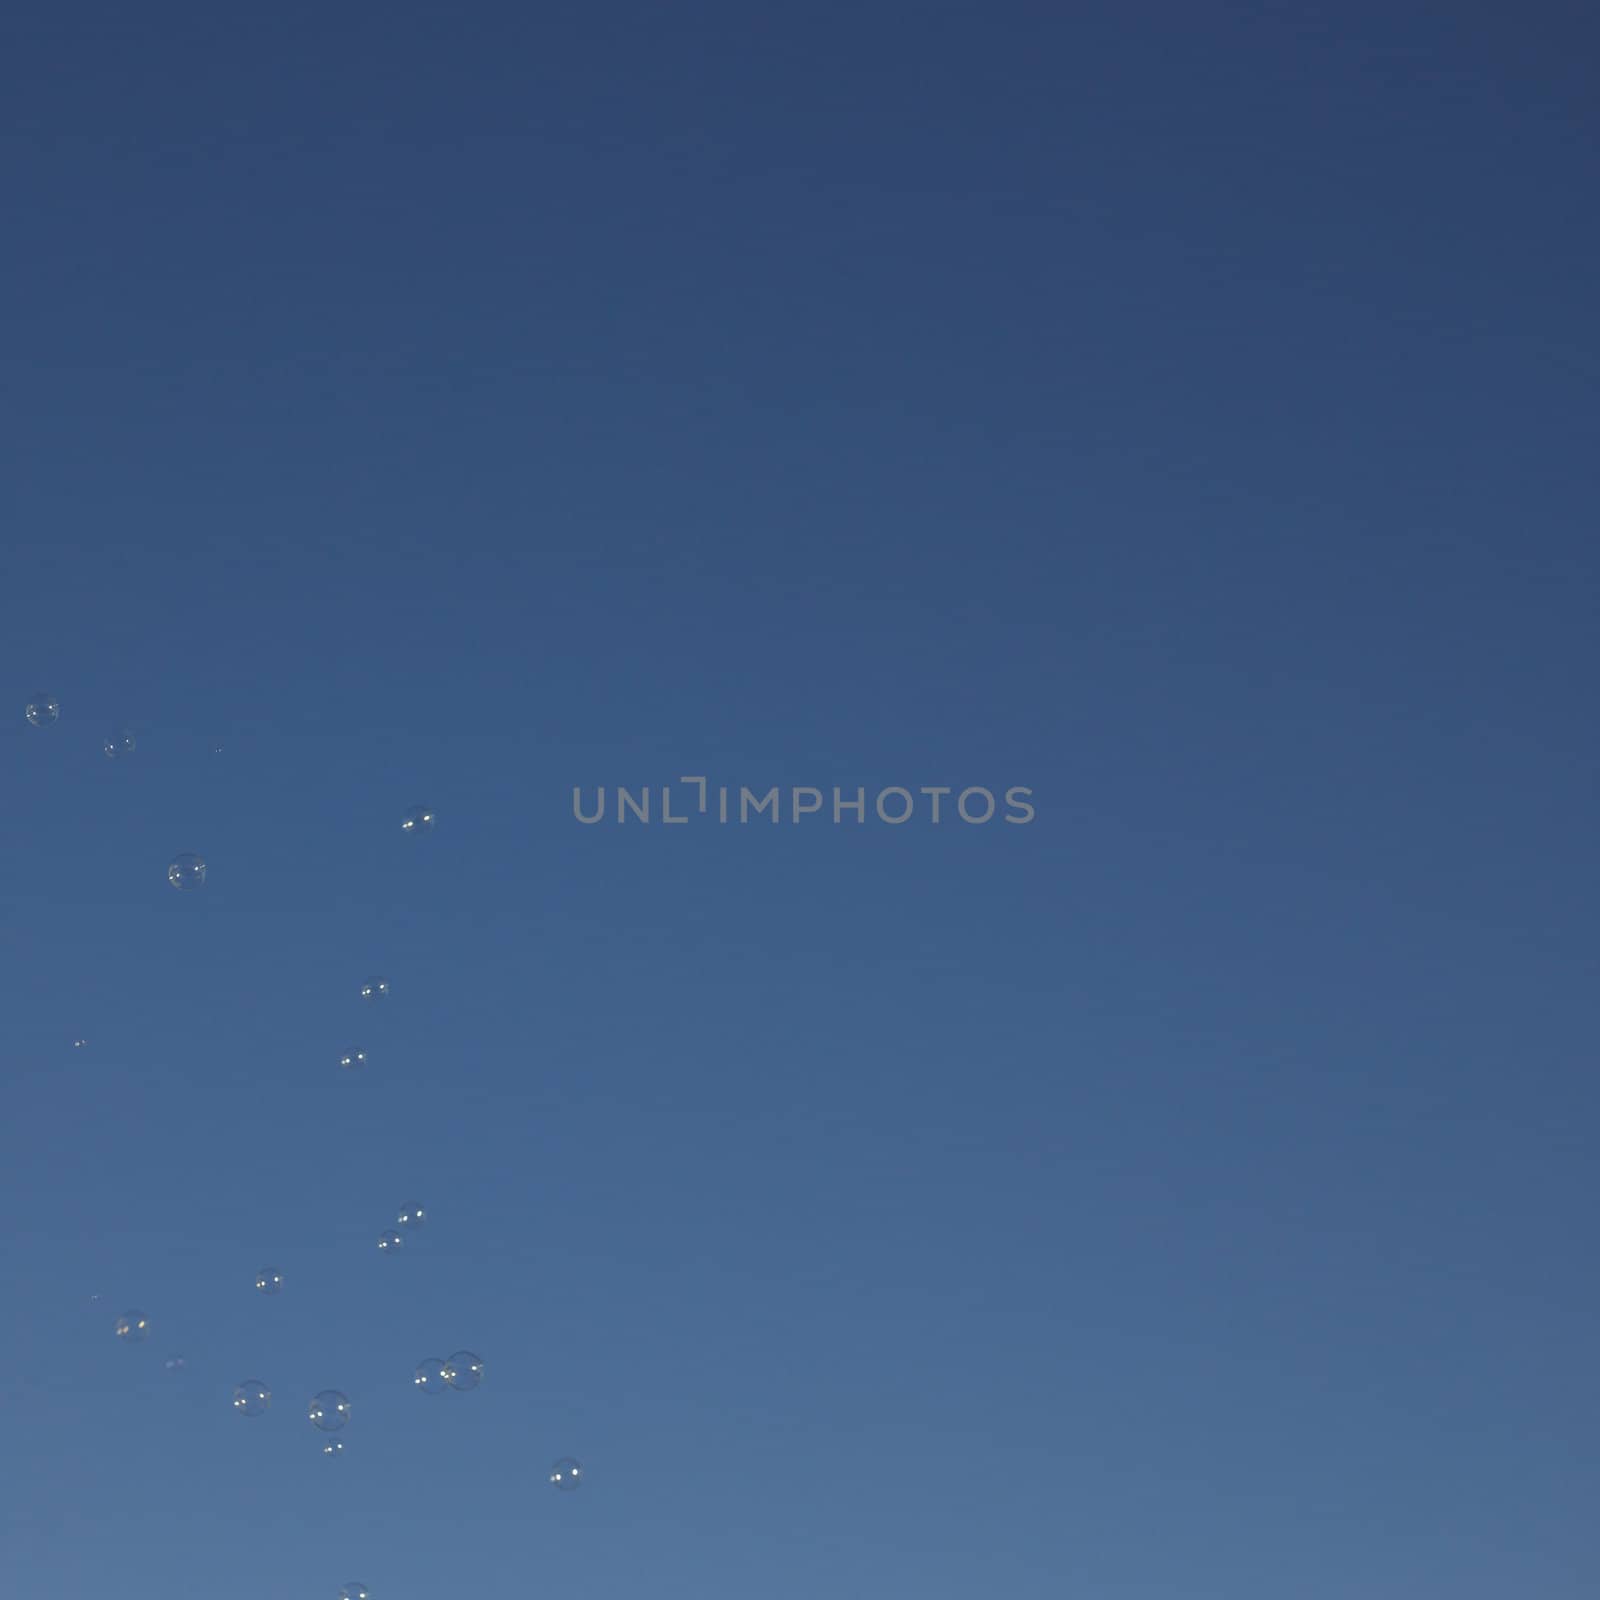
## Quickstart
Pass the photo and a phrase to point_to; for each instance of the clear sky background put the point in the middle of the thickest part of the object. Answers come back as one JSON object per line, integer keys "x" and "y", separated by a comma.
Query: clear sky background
{"x": 1187, "y": 411}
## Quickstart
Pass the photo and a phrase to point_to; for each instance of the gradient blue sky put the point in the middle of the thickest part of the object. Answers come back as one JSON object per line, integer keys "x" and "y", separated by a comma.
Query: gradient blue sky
{"x": 1186, "y": 411}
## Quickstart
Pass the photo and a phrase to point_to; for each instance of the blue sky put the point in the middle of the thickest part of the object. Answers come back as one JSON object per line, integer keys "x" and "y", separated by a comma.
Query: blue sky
{"x": 1185, "y": 412}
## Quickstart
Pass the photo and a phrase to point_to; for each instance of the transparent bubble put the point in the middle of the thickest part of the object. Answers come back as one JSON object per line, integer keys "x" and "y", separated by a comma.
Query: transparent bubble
{"x": 79, "y": 1044}
{"x": 419, "y": 819}
{"x": 352, "y": 1059}
{"x": 354, "y": 1591}
{"x": 132, "y": 1327}
{"x": 430, "y": 1376}
{"x": 176, "y": 1363}
{"x": 566, "y": 1473}
{"x": 251, "y": 1398}
{"x": 411, "y": 1218}
{"x": 329, "y": 1410}
{"x": 333, "y": 1447}
{"x": 463, "y": 1370}
{"x": 187, "y": 871}
{"x": 119, "y": 744}
{"x": 43, "y": 709}
{"x": 375, "y": 989}
{"x": 390, "y": 1240}
{"x": 269, "y": 1280}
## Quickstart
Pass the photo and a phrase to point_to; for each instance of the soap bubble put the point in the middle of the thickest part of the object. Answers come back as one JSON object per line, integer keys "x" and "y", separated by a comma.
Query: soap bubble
{"x": 176, "y": 1363}
{"x": 329, "y": 1410}
{"x": 251, "y": 1398}
{"x": 354, "y": 1591}
{"x": 333, "y": 1447}
{"x": 78, "y": 1044}
{"x": 463, "y": 1370}
{"x": 419, "y": 819}
{"x": 411, "y": 1217}
{"x": 269, "y": 1280}
{"x": 43, "y": 709}
{"x": 566, "y": 1473}
{"x": 187, "y": 871}
{"x": 430, "y": 1376}
{"x": 132, "y": 1326}
{"x": 375, "y": 989}
{"x": 119, "y": 744}
{"x": 390, "y": 1240}
{"x": 352, "y": 1059}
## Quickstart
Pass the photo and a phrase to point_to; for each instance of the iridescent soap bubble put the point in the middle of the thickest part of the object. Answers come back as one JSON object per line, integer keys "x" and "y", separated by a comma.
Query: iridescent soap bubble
{"x": 375, "y": 989}
{"x": 390, "y": 1240}
{"x": 352, "y": 1059}
{"x": 132, "y": 1327}
{"x": 419, "y": 819}
{"x": 329, "y": 1410}
{"x": 354, "y": 1591}
{"x": 187, "y": 871}
{"x": 333, "y": 1447}
{"x": 430, "y": 1376}
{"x": 119, "y": 744}
{"x": 566, "y": 1473}
{"x": 463, "y": 1370}
{"x": 42, "y": 710}
{"x": 269, "y": 1280}
{"x": 251, "y": 1398}
{"x": 411, "y": 1218}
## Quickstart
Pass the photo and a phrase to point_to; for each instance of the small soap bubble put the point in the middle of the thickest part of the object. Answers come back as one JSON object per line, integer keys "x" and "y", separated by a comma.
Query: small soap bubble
{"x": 463, "y": 1370}
{"x": 333, "y": 1447}
{"x": 269, "y": 1280}
{"x": 251, "y": 1398}
{"x": 187, "y": 871}
{"x": 419, "y": 819}
{"x": 42, "y": 710}
{"x": 329, "y": 1410}
{"x": 566, "y": 1473}
{"x": 390, "y": 1240}
{"x": 411, "y": 1218}
{"x": 375, "y": 989}
{"x": 354, "y": 1591}
{"x": 176, "y": 1363}
{"x": 79, "y": 1044}
{"x": 132, "y": 1327}
{"x": 430, "y": 1376}
{"x": 119, "y": 744}
{"x": 352, "y": 1059}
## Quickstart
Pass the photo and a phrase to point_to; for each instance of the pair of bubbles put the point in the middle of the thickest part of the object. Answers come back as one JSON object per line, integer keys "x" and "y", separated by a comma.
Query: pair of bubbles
{"x": 43, "y": 709}
{"x": 133, "y": 1327}
{"x": 463, "y": 1371}
{"x": 409, "y": 1220}
{"x": 372, "y": 991}
{"x": 188, "y": 870}
{"x": 328, "y": 1412}
{"x": 270, "y": 1281}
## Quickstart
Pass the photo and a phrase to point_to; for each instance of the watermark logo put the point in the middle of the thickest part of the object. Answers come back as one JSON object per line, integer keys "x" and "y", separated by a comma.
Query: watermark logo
{"x": 928, "y": 803}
